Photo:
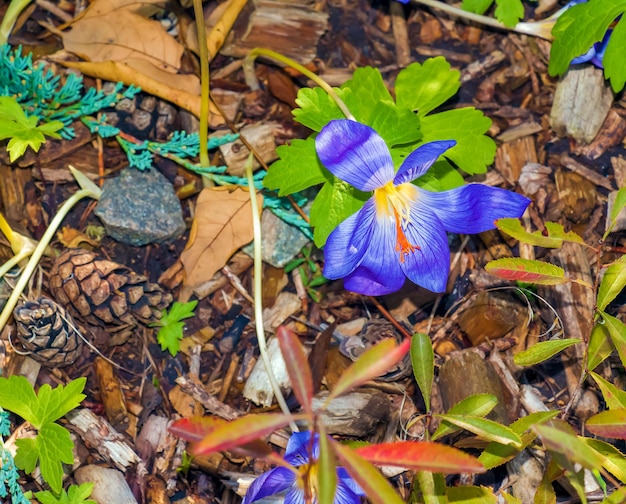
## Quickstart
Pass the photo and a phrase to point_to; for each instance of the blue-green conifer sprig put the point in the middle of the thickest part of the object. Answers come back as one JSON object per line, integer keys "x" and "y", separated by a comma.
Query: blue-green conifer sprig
{"x": 9, "y": 485}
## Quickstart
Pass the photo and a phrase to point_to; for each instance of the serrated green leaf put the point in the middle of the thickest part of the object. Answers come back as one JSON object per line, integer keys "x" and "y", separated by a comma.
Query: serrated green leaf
{"x": 17, "y": 395}
{"x": 474, "y": 151}
{"x": 617, "y": 497}
{"x": 485, "y": 429}
{"x": 170, "y": 336}
{"x": 317, "y": 109}
{"x": 12, "y": 111}
{"x": 52, "y": 404}
{"x": 543, "y": 351}
{"x": 578, "y": 28}
{"x": 613, "y": 397}
{"x": 423, "y": 362}
{"x": 614, "y": 460}
{"x": 568, "y": 445}
{"x": 21, "y": 140}
{"x": 363, "y": 92}
{"x": 178, "y": 311}
{"x": 613, "y": 61}
{"x": 299, "y": 167}
{"x": 76, "y": 494}
{"x": 526, "y": 270}
{"x": 477, "y": 6}
{"x": 613, "y": 281}
{"x": 55, "y": 447}
{"x": 617, "y": 332}
{"x": 556, "y": 234}
{"x": 470, "y": 495}
{"x": 27, "y": 454}
{"x": 335, "y": 202}
{"x": 395, "y": 126}
{"x": 442, "y": 176}
{"x": 600, "y": 346}
{"x": 475, "y": 405}
{"x": 423, "y": 88}
{"x": 509, "y": 12}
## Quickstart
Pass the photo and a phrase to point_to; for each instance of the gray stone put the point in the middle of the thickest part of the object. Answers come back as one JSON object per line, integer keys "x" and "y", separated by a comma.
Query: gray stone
{"x": 140, "y": 207}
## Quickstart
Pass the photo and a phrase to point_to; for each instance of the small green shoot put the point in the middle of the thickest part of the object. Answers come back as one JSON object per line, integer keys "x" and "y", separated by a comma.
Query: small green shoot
{"x": 53, "y": 445}
{"x": 171, "y": 328}
{"x": 22, "y": 130}
{"x": 76, "y": 494}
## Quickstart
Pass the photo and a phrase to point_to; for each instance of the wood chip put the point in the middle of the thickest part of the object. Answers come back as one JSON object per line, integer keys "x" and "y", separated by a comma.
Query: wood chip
{"x": 589, "y": 174}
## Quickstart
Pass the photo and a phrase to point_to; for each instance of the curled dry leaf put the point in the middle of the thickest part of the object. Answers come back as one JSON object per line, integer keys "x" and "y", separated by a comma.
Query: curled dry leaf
{"x": 222, "y": 224}
{"x": 73, "y": 238}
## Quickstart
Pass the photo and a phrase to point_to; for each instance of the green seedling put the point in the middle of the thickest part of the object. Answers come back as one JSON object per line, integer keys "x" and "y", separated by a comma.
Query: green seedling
{"x": 76, "y": 494}
{"x": 171, "y": 328}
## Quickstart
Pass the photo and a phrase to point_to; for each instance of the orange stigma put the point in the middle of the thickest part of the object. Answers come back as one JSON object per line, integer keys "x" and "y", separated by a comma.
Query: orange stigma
{"x": 402, "y": 243}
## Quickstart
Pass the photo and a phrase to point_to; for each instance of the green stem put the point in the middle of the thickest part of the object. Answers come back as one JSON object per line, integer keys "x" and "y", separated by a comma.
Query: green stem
{"x": 251, "y": 80}
{"x": 6, "y": 230}
{"x": 258, "y": 294}
{"x": 10, "y": 16}
{"x": 39, "y": 251}
{"x": 203, "y": 134}
{"x": 7, "y": 266}
{"x": 537, "y": 29}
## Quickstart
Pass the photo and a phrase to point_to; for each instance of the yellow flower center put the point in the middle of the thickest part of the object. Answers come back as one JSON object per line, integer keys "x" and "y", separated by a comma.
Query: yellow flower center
{"x": 394, "y": 202}
{"x": 307, "y": 481}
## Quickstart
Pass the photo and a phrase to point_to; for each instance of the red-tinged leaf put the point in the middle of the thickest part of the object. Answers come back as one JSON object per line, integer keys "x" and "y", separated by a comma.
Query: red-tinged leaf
{"x": 543, "y": 351}
{"x": 374, "y": 484}
{"x": 613, "y": 282}
{"x": 610, "y": 423}
{"x": 513, "y": 227}
{"x": 240, "y": 432}
{"x": 195, "y": 428}
{"x": 569, "y": 446}
{"x": 327, "y": 469}
{"x": 372, "y": 363}
{"x": 614, "y": 460}
{"x": 421, "y": 456}
{"x": 297, "y": 367}
{"x": 423, "y": 361}
{"x": 617, "y": 332}
{"x": 613, "y": 397}
{"x": 527, "y": 270}
{"x": 485, "y": 429}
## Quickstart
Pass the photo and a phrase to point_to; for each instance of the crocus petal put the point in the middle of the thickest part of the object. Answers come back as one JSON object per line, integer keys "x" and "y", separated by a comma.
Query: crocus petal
{"x": 379, "y": 272}
{"x": 343, "y": 477}
{"x": 473, "y": 208}
{"x": 348, "y": 242}
{"x": 355, "y": 153}
{"x": 429, "y": 265}
{"x": 297, "y": 451}
{"x": 295, "y": 496}
{"x": 584, "y": 58}
{"x": 271, "y": 482}
{"x": 345, "y": 495}
{"x": 420, "y": 160}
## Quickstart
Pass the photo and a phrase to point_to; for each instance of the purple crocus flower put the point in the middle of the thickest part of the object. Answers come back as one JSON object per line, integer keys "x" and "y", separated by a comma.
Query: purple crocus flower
{"x": 401, "y": 230}
{"x": 304, "y": 474}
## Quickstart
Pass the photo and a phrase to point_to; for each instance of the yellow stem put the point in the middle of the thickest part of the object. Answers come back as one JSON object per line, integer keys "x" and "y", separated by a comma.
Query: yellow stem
{"x": 248, "y": 68}
{"x": 203, "y": 133}
{"x": 6, "y": 230}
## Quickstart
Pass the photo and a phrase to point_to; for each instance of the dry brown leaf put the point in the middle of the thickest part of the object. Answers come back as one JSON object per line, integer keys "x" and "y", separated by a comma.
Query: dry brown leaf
{"x": 168, "y": 88}
{"x": 222, "y": 224}
{"x": 73, "y": 238}
{"x": 120, "y": 35}
{"x": 144, "y": 7}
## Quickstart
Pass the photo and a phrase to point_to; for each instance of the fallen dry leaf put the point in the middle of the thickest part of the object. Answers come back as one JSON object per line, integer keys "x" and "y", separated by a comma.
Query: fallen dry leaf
{"x": 73, "y": 238}
{"x": 144, "y": 7}
{"x": 122, "y": 34}
{"x": 222, "y": 224}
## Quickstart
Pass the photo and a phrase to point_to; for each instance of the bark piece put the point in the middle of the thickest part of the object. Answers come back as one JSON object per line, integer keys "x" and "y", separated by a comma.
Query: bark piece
{"x": 582, "y": 101}
{"x": 111, "y": 394}
{"x": 109, "y": 485}
{"x": 512, "y": 156}
{"x": 610, "y": 135}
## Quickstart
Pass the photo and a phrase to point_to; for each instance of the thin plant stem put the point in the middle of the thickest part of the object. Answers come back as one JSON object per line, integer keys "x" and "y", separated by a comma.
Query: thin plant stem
{"x": 14, "y": 261}
{"x": 6, "y": 229}
{"x": 203, "y": 134}
{"x": 40, "y": 249}
{"x": 248, "y": 68}
{"x": 258, "y": 295}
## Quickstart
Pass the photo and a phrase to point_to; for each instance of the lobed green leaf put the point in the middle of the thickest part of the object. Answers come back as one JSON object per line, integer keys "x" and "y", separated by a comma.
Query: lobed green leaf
{"x": 55, "y": 447}
{"x": 317, "y": 109}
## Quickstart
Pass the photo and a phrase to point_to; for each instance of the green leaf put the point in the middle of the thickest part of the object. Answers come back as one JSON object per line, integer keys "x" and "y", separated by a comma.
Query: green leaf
{"x": 614, "y": 460}
{"x": 27, "y": 454}
{"x": 618, "y": 205}
{"x": 509, "y": 12}
{"x": 568, "y": 445}
{"x": 442, "y": 176}
{"x": 327, "y": 475}
{"x": 395, "y": 126}
{"x": 317, "y": 109}
{"x": 526, "y": 270}
{"x": 335, "y": 202}
{"x": 423, "y": 88}
{"x": 52, "y": 404}
{"x": 470, "y": 495}
{"x": 474, "y": 151}
{"x": 423, "y": 362}
{"x": 600, "y": 346}
{"x": 554, "y": 239}
{"x": 496, "y": 454}
{"x": 475, "y": 405}
{"x": 364, "y": 92}
{"x": 613, "y": 61}
{"x": 171, "y": 328}
{"x": 613, "y": 397}
{"x": 76, "y": 494}
{"x": 485, "y": 429}
{"x": 578, "y": 28}
{"x": 613, "y": 281}
{"x": 617, "y": 332}
{"x": 17, "y": 395}
{"x": 617, "y": 497}
{"x": 55, "y": 446}
{"x": 543, "y": 351}
{"x": 298, "y": 168}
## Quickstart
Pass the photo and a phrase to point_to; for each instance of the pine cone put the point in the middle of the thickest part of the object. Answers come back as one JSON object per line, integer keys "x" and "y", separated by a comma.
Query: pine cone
{"x": 48, "y": 332}
{"x": 103, "y": 292}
